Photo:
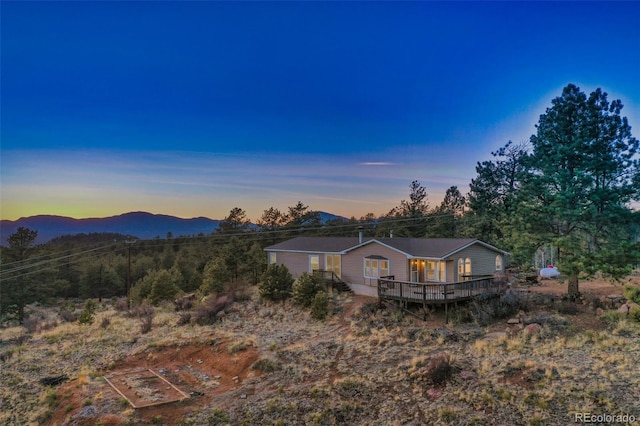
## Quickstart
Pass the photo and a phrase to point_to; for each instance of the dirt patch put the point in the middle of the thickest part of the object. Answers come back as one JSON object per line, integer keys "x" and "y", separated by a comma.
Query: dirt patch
{"x": 595, "y": 287}
{"x": 184, "y": 377}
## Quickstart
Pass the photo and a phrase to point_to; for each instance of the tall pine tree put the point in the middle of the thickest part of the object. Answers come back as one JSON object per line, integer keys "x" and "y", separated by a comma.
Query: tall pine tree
{"x": 583, "y": 174}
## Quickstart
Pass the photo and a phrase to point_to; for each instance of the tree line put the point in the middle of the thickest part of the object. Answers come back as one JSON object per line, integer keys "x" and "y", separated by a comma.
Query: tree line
{"x": 569, "y": 189}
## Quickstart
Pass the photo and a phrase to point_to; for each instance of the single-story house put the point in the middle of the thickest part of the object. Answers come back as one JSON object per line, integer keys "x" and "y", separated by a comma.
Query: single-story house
{"x": 359, "y": 261}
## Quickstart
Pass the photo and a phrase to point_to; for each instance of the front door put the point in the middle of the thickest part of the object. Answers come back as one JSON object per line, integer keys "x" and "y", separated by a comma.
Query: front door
{"x": 332, "y": 263}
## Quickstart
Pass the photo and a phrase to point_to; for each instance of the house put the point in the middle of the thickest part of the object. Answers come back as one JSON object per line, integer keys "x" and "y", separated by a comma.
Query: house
{"x": 360, "y": 262}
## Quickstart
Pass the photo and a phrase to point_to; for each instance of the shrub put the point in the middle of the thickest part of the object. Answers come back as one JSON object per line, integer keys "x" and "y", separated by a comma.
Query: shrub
{"x": 277, "y": 283}
{"x": 484, "y": 312}
{"x": 146, "y": 315}
{"x": 184, "y": 318}
{"x": 613, "y": 317}
{"x": 106, "y": 322}
{"x": 440, "y": 369}
{"x": 632, "y": 292}
{"x": 320, "y": 306}
{"x": 265, "y": 364}
{"x": 634, "y": 314}
{"x": 207, "y": 314}
{"x": 88, "y": 312}
{"x": 68, "y": 316}
{"x": 306, "y": 287}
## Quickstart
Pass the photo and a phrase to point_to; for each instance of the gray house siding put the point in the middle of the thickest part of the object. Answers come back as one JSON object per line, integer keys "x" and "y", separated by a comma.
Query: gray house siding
{"x": 483, "y": 261}
{"x": 297, "y": 263}
{"x": 353, "y": 264}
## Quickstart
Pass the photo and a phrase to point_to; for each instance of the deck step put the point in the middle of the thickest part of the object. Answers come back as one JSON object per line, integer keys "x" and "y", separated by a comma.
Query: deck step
{"x": 341, "y": 286}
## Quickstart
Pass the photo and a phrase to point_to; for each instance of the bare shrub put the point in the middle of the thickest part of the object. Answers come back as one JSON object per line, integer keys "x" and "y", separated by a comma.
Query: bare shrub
{"x": 121, "y": 304}
{"x": 207, "y": 314}
{"x": 483, "y": 312}
{"x": 68, "y": 316}
{"x": 185, "y": 302}
{"x": 146, "y": 318}
{"x": 145, "y": 314}
{"x": 105, "y": 323}
{"x": 184, "y": 318}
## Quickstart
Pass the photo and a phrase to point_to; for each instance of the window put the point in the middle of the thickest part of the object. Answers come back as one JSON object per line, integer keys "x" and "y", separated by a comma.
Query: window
{"x": 498, "y": 263}
{"x": 464, "y": 268}
{"x": 442, "y": 269}
{"x": 376, "y": 266}
{"x": 384, "y": 268}
{"x": 436, "y": 271}
{"x": 272, "y": 258}
{"x": 314, "y": 262}
{"x": 332, "y": 263}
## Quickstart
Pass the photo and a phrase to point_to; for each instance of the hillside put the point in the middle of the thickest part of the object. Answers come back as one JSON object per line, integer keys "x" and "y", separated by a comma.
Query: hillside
{"x": 262, "y": 363}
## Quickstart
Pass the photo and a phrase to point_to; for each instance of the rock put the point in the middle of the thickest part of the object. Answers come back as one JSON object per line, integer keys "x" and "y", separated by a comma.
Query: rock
{"x": 468, "y": 375}
{"x": 624, "y": 309}
{"x": 599, "y": 312}
{"x": 532, "y": 329}
{"x": 513, "y": 321}
{"x": 236, "y": 379}
{"x": 434, "y": 393}
{"x": 243, "y": 396}
{"x": 521, "y": 314}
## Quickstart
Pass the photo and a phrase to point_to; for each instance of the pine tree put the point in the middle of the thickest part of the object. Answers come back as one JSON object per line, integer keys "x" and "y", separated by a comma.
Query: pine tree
{"x": 583, "y": 173}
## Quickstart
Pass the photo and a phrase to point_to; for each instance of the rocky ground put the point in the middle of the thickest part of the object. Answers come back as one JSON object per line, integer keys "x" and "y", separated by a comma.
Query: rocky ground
{"x": 265, "y": 363}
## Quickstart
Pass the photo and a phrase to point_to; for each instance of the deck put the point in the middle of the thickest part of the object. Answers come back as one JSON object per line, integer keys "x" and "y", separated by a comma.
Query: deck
{"x": 436, "y": 293}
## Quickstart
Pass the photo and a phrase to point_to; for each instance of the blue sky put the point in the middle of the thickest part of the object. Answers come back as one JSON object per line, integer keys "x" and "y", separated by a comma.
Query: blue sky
{"x": 192, "y": 109}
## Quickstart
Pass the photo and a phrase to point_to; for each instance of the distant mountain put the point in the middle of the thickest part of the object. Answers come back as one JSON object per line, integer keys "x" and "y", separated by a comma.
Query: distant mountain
{"x": 326, "y": 217}
{"x": 139, "y": 224}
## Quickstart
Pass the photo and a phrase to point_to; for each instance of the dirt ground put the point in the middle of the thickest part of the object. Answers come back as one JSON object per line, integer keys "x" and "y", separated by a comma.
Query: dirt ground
{"x": 201, "y": 371}
{"x": 199, "y": 375}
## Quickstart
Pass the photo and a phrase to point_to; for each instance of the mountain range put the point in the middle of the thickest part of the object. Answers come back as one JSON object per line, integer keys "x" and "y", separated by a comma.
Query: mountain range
{"x": 138, "y": 224}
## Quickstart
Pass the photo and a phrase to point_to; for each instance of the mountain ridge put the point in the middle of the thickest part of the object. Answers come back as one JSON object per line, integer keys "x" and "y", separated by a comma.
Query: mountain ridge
{"x": 143, "y": 225}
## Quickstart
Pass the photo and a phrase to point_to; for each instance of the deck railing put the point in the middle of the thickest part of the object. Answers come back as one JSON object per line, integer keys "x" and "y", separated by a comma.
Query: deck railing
{"x": 436, "y": 292}
{"x": 327, "y": 275}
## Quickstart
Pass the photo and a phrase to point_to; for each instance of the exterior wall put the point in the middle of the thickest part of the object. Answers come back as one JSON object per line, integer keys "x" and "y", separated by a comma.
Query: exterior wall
{"x": 483, "y": 261}
{"x": 297, "y": 263}
{"x": 353, "y": 267}
{"x": 452, "y": 270}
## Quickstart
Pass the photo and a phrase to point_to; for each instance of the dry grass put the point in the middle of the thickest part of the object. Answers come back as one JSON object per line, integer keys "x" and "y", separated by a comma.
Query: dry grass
{"x": 370, "y": 367}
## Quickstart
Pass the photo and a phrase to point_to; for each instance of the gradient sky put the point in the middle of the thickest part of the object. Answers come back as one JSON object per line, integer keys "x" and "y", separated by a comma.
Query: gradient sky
{"x": 191, "y": 109}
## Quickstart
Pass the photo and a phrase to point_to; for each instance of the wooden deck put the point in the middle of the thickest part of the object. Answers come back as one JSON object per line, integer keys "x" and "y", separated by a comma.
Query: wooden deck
{"x": 432, "y": 293}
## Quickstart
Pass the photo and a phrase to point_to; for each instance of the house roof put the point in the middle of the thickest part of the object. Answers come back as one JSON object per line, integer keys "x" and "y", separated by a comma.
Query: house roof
{"x": 435, "y": 248}
{"x": 316, "y": 244}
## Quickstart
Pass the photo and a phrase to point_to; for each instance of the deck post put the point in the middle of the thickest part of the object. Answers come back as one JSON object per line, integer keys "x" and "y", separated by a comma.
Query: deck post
{"x": 446, "y": 305}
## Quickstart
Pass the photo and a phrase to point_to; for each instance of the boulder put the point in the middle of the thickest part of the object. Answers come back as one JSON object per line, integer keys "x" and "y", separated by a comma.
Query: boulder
{"x": 532, "y": 329}
{"x": 513, "y": 321}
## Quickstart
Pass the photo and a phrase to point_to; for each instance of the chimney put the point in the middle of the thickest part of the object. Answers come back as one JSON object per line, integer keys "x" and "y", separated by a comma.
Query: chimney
{"x": 360, "y": 234}
{"x": 391, "y": 234}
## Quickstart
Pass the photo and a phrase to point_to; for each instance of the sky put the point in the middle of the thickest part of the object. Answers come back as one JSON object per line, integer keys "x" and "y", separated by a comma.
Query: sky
{"x": 193, "y": 108}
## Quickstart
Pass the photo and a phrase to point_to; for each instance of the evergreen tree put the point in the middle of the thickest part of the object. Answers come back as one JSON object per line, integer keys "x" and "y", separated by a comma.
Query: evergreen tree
{"x": 17, "y": 288}
{"x": 492, "y": 195}
{"x": 276, "y": 283}
{"x": 235, "y": 222}
{"x": 583, "y": 173}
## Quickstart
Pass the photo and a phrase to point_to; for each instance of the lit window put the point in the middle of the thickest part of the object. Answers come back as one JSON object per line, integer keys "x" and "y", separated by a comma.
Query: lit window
{"x": 314, "y": 262}
{"x": 464, "y": 268}
{"x": 272, "y": 258}
{"x": 498, "y": 263}
{"x": 375, "y": 267}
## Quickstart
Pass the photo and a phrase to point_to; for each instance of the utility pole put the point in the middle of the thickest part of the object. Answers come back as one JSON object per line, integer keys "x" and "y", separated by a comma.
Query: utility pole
{"x": 129, "y": 242}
